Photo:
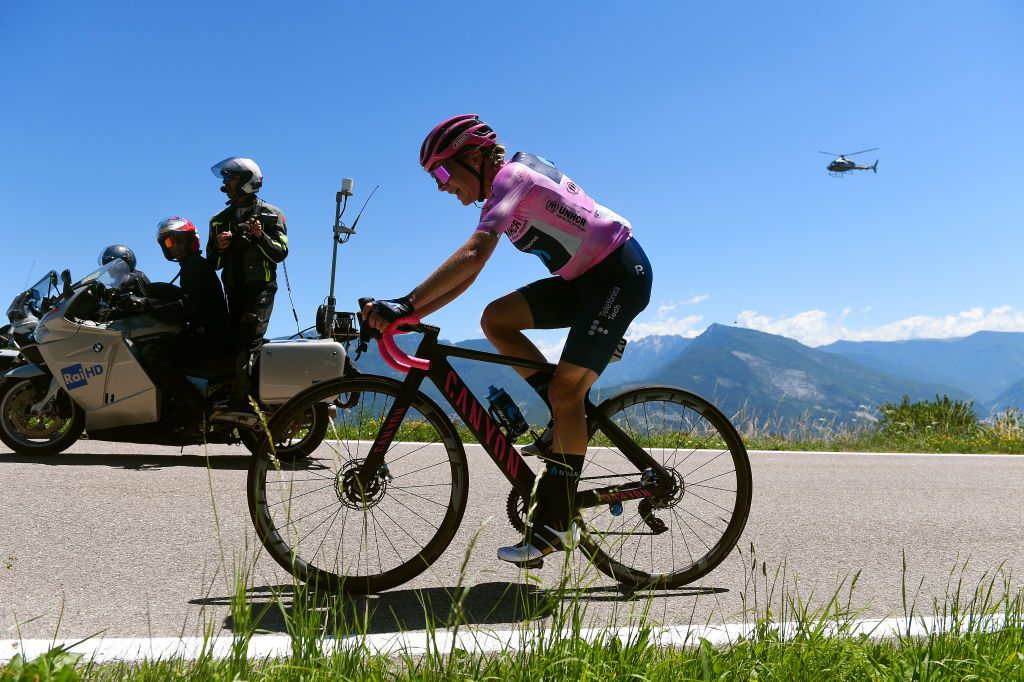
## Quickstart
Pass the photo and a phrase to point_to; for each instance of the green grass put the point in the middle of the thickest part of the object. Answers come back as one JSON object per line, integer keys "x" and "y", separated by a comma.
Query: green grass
{"x": 790, "y": 638}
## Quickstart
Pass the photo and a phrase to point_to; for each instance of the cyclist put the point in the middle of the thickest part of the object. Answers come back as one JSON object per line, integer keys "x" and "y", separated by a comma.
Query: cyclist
{"x": 247, "y": 240}
{"x": 601, "y": 280}
{"x": 135, "y": 282}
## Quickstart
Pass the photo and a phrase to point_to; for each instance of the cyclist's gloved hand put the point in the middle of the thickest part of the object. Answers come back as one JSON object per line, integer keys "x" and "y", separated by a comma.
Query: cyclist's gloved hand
{"x": 393, "y": 309}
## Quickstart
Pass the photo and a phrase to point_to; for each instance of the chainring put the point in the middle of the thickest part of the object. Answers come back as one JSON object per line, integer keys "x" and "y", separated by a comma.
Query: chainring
{"x": 515, "y": 508}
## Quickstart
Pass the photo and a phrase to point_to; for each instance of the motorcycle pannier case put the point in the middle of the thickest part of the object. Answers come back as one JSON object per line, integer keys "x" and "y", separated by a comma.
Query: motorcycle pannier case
{"x": 287, "y": 367}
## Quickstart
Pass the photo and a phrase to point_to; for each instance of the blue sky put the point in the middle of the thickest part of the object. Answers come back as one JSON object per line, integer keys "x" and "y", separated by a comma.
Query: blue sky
{"x": 700, "y": 122}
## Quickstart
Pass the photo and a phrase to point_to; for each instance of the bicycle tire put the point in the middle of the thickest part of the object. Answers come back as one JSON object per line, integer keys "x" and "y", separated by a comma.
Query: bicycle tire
{"x": 385, "y": 507}
{"x": 610, "y": 540}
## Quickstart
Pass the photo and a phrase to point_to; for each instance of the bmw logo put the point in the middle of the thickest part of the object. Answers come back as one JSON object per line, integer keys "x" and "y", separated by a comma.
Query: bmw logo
{"x": 97, "y": 347}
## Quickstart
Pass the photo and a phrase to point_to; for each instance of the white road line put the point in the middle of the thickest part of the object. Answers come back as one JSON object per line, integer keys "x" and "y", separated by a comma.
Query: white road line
{"x": 467, "y": 639}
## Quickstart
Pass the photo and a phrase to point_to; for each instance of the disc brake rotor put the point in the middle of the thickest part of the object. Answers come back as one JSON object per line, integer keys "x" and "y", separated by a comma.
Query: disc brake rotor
{"x": 42, "y": 424}
{"x": 354, "y": 495}
{"x": 649, "y": 505}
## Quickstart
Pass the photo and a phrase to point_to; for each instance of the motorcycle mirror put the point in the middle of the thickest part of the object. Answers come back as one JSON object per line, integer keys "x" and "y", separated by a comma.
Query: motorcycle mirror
{"x": 65, "y": 278}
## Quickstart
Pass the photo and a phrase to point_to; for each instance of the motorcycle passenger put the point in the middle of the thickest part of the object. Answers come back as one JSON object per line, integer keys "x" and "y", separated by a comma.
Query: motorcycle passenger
{"x": 136, "y": 281}
{"x": 601, "y": 280}
{"x": 202, "y": 309}
{"x": 247, "y": 240}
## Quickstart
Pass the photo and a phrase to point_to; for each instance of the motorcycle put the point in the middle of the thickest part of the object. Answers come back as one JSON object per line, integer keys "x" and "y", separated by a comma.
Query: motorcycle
{"x": 23, "y": 313}
{"x": 77, "y": 369}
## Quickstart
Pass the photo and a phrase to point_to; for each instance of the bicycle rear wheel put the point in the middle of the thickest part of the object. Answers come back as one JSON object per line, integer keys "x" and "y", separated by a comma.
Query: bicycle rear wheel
{"x": 684, "y": 534}
{"x": 319, "y": 524}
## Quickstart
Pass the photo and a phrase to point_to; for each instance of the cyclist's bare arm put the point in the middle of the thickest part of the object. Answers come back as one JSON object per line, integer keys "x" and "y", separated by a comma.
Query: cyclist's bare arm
{"x": 454, "y": 275}
{"x": 446, "y": 298}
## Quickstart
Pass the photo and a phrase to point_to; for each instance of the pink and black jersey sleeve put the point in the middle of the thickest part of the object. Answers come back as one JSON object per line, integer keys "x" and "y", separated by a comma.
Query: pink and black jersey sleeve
{"x": 510, "y": 186}
{"x": 545, "y": 213}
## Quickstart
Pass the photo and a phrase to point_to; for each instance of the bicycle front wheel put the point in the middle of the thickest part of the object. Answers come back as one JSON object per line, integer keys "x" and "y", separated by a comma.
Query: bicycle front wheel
{"x": 680, "y": 536}
{"x": 323, "y": 526}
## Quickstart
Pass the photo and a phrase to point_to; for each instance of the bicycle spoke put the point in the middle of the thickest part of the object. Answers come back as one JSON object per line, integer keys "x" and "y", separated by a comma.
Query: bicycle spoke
{"x": 421, "y": 497}
{"x": 328, "y": 533}
{"x": 310, "y": 492}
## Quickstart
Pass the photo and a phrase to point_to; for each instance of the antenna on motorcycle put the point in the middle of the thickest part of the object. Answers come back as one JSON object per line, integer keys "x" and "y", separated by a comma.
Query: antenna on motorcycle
{"x": 29, "y": 275}
{"x": 341, "y": 234}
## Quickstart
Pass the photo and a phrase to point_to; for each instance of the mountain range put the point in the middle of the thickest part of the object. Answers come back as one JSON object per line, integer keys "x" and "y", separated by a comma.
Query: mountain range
{"x": 984, "y": 364}
{"x": 778, "y": 380}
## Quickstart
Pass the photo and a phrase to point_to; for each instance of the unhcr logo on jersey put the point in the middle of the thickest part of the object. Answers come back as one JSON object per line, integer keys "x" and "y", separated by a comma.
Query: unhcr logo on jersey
{"x": 76, "y": 376}
{"x": 566, "y": 213}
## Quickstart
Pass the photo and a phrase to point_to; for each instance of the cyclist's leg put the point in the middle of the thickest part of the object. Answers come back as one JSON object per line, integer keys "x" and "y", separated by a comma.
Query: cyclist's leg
{"x": 556, "y": 490}
{"x": 503, "y": 322}
{"x": 605, "y": 301}
{"x": 613, "y": 294}
{"x": 568, "y": 391}
{"x": 545, "y": 304}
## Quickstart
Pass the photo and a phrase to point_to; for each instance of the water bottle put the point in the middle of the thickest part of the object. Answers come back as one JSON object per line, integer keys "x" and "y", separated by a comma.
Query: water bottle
{"x": 506, "y": 413}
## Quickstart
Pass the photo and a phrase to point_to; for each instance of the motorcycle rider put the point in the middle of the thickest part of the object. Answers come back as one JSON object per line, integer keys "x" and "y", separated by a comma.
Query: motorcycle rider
{"x": 202, "y": 309}
{"x": 135, "y": 282}
{"x": 247, "y": 240}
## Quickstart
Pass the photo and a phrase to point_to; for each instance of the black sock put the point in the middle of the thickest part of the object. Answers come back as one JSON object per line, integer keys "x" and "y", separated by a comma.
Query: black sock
{"x": 541, "y": 381}
{"x": 556, "y": 491}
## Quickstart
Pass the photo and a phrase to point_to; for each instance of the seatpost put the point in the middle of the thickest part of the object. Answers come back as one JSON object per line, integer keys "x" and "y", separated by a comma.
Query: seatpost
{"x": 341, "y": 234}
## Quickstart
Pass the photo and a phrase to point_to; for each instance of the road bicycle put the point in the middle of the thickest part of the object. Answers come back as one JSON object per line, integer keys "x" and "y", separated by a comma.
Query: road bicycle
{"x": 664, "y": 494}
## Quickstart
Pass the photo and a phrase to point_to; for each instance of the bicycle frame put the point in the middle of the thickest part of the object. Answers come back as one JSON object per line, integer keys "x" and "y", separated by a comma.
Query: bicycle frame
{"x": 431, "y": 362}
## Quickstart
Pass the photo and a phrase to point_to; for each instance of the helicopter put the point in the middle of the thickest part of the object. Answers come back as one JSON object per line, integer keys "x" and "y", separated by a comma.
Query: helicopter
{"x": 838, "y": 166}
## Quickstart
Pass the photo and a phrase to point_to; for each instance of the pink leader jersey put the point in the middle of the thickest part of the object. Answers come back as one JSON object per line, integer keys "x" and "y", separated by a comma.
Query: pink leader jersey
{"x": 545, "y": 213}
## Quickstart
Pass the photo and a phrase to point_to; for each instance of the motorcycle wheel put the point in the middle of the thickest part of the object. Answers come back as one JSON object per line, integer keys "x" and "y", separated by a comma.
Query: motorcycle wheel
{"x": 51, "y": 430}
{"x": 301, "y": 439}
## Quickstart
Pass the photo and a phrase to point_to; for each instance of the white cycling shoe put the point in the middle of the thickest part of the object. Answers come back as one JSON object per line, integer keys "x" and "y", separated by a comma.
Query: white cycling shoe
{"x": 541, "y": 446}
{"x": 531, "y": 551}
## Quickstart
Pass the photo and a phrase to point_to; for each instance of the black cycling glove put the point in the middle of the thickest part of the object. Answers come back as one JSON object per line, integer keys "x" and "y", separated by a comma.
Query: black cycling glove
{"x": 393, "y": 309}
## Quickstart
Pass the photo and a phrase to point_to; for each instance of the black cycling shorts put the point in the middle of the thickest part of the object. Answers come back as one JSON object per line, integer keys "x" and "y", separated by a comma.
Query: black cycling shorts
{"x": 597, "y": 306}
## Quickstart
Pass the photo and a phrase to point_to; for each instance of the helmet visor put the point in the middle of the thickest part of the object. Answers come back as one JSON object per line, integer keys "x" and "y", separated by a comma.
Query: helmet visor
{"x": 224, "y": 168}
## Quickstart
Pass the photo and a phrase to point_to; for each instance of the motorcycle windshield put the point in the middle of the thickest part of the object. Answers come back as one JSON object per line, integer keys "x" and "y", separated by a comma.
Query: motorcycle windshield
{"x": 30, "y": 301}
{"x": 111, "y": 275}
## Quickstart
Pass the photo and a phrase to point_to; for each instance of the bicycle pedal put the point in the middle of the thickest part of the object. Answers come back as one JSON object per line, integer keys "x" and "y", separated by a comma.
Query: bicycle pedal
{"x": 531, "y": 563}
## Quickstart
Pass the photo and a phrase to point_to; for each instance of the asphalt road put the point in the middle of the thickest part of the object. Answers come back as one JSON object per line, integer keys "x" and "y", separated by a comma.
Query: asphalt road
{"x": 146, "y": 541}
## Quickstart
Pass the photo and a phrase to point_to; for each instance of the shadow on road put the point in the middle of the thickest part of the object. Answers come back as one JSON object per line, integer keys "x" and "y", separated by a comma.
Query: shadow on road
{"x": 238, "y": 462}
{"x": 491, "y": 603}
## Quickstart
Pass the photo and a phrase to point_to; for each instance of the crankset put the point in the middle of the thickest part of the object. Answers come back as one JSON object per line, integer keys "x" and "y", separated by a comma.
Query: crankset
{"x": 515, "y": 509}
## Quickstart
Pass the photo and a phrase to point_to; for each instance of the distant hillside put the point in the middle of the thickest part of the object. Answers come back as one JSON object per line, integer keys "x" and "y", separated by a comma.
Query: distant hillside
{"x": 771, "y": 376}
{"x": 643, "y": 358}
{"x": 983, "y": 364}
{"x": 777, "y": 377}
{"x": 1011, "y": 397}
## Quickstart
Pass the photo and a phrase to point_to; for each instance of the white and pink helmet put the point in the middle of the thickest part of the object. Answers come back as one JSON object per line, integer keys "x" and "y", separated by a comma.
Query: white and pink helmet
{"x": 174, "y": 225}
{"x": 452, "y": 135}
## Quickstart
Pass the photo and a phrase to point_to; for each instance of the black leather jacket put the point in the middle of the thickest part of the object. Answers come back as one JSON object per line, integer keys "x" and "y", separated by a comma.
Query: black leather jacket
{"x": 248, "y": 260}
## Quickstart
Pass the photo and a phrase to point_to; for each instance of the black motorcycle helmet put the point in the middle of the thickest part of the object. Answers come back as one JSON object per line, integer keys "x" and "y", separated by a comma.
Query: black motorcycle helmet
{"x": 115, "y": 251}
